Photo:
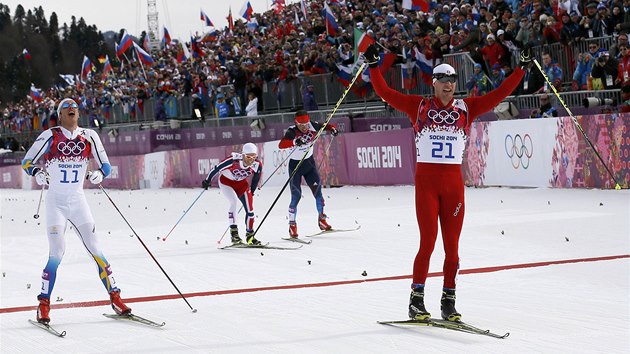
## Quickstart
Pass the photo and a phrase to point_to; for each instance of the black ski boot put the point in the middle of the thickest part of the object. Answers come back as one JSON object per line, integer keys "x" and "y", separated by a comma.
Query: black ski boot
{"x": 251, "y": 240}
{"x": 449, "y": 312}
{"x": 234, "y": 233}
{"x": 417, "y": 311}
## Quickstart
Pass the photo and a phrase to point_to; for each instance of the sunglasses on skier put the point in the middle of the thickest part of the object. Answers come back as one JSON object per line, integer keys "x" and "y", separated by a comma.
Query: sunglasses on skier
{"x": 69, "y": 104}
{"x": 444, "y": 78}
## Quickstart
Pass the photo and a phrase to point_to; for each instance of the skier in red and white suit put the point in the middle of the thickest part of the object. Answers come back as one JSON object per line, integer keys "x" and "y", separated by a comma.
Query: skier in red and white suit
{"x": 233, "y": 172}
{"x": 441, "y": 124}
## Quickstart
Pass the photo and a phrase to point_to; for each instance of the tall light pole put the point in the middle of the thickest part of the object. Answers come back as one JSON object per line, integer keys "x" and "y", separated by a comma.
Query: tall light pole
{"x": 152, "y": 20}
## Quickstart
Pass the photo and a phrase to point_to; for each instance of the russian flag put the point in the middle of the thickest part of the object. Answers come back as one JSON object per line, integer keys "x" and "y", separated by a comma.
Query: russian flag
{"x": 210, "y": 36}
{"x": 125, "y": 43}
{"x": 85, "y": 67}
{"x": 230, "y": 21}
{"x": 338, "y": 2}
{"x": 408, "y": 71}
{"x": 425, "y": 66}
{"x": 247, "y": 11}
{"x": 418, "y": 5}
{"x": 196, "y": 49}
{"x": 144, "y": 57}
{"x": 145, "y": 43}
{"x": 331, "y": 24}
{"x": 167, "y": 37}
{"x": 36, "y": 94}
{"x": 182, "y": 54}
{"x": 344, "y": 74}
{"x": 206, "y": 19}
{"x": 26, "y": 54}
{"x": 107, "y": 67}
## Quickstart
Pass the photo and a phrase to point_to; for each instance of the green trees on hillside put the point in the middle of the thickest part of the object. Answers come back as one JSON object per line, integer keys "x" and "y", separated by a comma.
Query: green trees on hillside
{"x": 53, "y": 49}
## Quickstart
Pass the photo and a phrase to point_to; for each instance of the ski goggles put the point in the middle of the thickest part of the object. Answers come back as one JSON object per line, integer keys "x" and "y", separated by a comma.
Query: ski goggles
{"x": 443, "y": 78}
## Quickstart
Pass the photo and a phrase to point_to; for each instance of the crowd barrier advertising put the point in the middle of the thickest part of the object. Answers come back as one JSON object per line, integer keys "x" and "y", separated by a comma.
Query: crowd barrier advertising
{"x": 548, "y": 152}
{"x": 520, "y": 153}
{"x": 384, "y": 158}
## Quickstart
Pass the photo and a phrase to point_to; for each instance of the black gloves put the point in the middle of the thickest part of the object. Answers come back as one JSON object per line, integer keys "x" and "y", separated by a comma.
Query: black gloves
{"x": 525, "y": 57}
{"x": 205, "y": 184}
{"x": 334, "y": 132}
{"x": 300, "y": 141}
{"x": 372, "y": 56}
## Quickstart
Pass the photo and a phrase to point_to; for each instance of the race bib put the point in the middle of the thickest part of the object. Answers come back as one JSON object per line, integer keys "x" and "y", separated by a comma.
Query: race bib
{"x": 440, "y": 147}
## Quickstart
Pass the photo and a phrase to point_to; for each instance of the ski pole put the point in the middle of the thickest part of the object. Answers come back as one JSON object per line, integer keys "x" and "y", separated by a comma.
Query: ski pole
{"x": 321, "y": 130}
{"x": 185, "y": 212}
{"x": 146, "y": 248}
{"x": 577, "y": 124}
{"x": 36, "y": 216}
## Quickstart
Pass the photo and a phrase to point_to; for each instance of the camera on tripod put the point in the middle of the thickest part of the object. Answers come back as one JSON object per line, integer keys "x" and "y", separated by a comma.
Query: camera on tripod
{"x": 591, "y": 102}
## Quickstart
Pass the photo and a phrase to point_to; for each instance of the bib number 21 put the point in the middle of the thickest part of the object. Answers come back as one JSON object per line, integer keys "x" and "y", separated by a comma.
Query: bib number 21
{"x": 442, "y": 150}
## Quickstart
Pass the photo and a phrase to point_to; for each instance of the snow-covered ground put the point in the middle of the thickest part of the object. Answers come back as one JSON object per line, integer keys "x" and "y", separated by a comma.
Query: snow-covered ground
{"x": 272, "y": 301}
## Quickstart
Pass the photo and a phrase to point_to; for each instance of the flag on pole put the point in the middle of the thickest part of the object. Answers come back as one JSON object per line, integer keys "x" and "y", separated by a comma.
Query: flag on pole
{"x": 125, "y": 43}
{"x": 144, "y": 57}
{"x": 68, "y": 78}
{"x": 331, "y": 24}
{"x": 36, "y": 94}
{"x": 86, "y": 67}
{"x": 182, "y": 53}
{"x": 247, "y": 11}
{"x": 26, "y": 54}
{"x": 230, "y": 21}
{"x": 107, "y": 67}
{"x": 145, "y": 43}
{"x": 206, "y": 19}
{"x": 361, "y": 42}
{"x": 166, "y": 40}
{"x": 418, "y": 5}
{"x": 303, "y": 8}
{"x": 425, "y": 66}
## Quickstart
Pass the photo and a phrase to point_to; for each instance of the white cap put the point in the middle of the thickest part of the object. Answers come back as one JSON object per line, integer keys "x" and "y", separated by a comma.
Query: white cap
{"x": 500, "y": 32}
{"x": 61, "y": 103}
{"x": 250, "y": 148}
{"x": 491, "y": 36}
{"x": 444, "y": 69}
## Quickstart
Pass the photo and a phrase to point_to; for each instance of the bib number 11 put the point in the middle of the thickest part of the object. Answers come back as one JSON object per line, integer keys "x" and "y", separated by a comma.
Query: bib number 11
{"x": 72, "y": 174}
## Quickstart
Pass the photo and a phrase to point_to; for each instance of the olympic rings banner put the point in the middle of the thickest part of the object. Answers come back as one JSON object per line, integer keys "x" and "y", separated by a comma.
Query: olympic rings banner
{"x": 548, "y": 152}
{"x": 520, "y": 153}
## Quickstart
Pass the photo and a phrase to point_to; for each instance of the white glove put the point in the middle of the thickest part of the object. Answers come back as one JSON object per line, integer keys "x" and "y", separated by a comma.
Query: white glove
{"x": 41, "y": 177}
{"x": 96, "y": 177}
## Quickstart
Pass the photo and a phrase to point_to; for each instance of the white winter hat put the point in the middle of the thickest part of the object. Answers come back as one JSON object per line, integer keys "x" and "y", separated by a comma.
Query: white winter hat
{"x": 250, "y": 148}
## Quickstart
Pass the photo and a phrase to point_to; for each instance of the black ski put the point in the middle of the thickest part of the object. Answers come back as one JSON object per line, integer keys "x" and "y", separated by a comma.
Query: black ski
{"x": 261, "y": 246}
{"x": 134, "y": 318}
{"x": 333, "y": 231}
{"x": 456, "y": 326}
{"x": 298, "y": 240}
{"x": 48, "y": 328}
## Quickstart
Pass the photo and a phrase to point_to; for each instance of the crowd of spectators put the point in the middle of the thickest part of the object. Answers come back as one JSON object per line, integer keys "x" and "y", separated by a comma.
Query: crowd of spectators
{"x": 234, "y": 67}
